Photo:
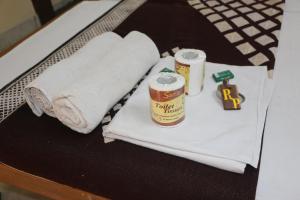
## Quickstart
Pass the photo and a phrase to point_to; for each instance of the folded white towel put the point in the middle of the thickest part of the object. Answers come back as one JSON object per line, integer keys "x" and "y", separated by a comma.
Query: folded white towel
{"x": 83, "y": 105}
{"x": 224, "y": 139}
{"x": 40, "y": 92}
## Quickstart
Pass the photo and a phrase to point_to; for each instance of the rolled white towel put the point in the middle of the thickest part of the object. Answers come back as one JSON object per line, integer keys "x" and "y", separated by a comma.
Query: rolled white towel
{"x": 40, "y": 92}
{"x": 83, "y": 105}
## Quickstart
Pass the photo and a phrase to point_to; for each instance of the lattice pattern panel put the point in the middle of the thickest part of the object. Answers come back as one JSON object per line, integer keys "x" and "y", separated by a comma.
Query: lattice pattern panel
{"x": 251, "y": 26}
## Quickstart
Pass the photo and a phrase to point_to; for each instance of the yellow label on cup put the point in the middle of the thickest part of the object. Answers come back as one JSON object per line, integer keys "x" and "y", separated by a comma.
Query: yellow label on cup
{"x": 183, "y": 70}
{"x": 168, "y": 112}
{"x": 167, "y": 107}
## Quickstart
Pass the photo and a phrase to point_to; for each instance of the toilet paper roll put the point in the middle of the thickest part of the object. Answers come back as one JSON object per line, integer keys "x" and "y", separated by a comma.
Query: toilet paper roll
{"x": 167, "y": 98}
{"x": 190, "y": 63}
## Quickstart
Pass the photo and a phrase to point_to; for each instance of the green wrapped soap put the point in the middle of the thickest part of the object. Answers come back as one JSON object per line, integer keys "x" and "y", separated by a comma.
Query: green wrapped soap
{"x": 223, "y": 75}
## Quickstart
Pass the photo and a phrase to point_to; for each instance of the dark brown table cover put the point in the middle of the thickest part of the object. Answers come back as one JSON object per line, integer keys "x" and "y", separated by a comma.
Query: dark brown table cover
{"x": 44, "y": 147}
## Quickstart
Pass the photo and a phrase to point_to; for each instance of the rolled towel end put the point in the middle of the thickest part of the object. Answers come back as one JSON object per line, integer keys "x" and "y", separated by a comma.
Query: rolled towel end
{"x": 40, "y": 92}
{"x": 38, "y": 101}
{"x": 70, "y": 115}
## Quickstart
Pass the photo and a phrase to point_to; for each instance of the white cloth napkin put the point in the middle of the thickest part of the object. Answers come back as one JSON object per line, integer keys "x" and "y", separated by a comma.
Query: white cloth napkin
{"x": 40, "y": 92}
{"x": 84, "y": 103}
{"x": 210, "y": 135}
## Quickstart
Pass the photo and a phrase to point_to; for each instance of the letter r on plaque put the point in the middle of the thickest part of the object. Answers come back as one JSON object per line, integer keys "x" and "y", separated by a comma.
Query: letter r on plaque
{"x": 230, "y": 96}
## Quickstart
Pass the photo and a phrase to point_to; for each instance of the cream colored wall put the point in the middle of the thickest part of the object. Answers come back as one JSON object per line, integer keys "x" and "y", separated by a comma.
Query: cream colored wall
{"x": 18, "y": 19}
{"x": 57, "y": 4}
{"x": 14, "y": 12}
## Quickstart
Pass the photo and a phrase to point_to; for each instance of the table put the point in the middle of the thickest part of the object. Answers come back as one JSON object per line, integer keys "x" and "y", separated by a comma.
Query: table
{"x": 42, "y": 186}
{"x": 279, "y": 166}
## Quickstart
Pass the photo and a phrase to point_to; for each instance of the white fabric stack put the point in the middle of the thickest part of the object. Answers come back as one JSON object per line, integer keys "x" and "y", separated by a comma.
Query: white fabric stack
{"x": 224, "y": 139}
{"x": 40, "y": 93}
{"x": 80, "y": 91}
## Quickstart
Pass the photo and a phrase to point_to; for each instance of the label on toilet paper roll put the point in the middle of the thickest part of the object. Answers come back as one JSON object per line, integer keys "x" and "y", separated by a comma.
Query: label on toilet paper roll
{"x": 167, "y": 99}
{"x": 190, "y": 64}
{"x": 183, "y": 70}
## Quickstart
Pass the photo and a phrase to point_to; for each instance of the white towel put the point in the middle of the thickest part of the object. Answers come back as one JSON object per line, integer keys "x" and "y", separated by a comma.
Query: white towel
{"x": 40, "y": 92}
{"x": 83, "y": 105}
{"x": 210, "y": 135}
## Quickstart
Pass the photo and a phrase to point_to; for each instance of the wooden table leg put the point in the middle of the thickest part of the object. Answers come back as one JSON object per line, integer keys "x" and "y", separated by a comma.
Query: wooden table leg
{"x": 41, "y": 186}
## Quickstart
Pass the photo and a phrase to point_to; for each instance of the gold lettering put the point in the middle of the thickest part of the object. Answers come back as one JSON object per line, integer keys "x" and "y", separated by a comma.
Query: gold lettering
{"x": 168, "y": 111}
{"x": 236, "y": 102}
{"x": 167, "y": 108}
{"x": 226, "y": 94}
